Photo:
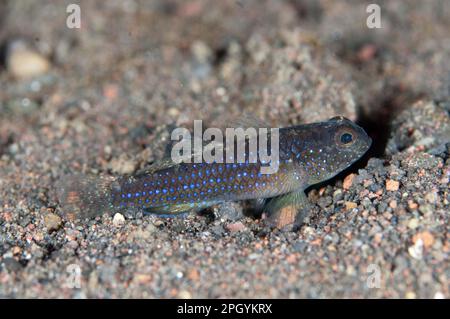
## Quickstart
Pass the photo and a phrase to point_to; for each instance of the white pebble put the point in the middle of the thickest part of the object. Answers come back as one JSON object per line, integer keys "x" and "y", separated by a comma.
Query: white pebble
{"x": 416, "y": 250}
{"x": 22, "y": 62}
{"x": 118, "y": 220}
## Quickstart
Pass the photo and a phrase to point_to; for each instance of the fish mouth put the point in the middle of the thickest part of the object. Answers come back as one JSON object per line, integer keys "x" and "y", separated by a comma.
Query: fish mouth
{"x": 366, "y": 139}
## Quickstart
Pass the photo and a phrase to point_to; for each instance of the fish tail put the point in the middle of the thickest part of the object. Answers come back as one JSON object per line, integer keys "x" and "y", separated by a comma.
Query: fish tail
{"x": 82, "y": 196}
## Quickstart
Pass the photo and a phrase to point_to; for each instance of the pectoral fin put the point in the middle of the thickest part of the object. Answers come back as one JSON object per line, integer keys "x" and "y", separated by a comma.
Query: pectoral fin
{"x": 288, "y": 211}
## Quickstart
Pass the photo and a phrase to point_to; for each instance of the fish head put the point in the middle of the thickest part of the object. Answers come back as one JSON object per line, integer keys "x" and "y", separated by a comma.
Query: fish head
{"x": 334, "y": 146}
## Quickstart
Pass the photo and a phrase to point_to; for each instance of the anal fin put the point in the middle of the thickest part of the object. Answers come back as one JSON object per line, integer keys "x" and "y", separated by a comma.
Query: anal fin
{"x": 177, "y": 209}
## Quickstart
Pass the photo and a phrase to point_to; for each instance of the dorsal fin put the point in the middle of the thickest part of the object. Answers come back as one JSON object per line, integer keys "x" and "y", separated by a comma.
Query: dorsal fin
{"x": 156, "y": 166}
{"x": 247, "y": 120}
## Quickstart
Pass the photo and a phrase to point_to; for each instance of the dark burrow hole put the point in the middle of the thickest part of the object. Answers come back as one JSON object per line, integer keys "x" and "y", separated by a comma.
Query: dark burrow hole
{"x": 377, "y": 122}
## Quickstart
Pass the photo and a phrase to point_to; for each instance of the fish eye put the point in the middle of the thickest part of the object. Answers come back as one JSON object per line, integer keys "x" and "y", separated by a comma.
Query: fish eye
{"x": 346, "y": 138}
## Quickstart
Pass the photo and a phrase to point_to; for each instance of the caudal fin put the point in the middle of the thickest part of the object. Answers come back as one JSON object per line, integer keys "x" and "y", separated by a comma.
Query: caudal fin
{"x": 83, "y": 196}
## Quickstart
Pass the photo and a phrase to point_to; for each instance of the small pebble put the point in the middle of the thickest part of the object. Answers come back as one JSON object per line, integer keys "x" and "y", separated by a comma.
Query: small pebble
{"x": 431, "y": 197}
{"x": 235, "y": 227}
{"x": 412, "y": 205}
{"x": 350, "y": 205}
{"x": 426, "y": 237}
{"x": 393, "y": 204}
{"x": 150, "y": 229}
{"x": 23, "y": 62}
{"x": 413, "y": 223}
{"x": 416, "y": 250}
{"x": 337, "y": 195}
{"x": 142, "y": 278}
{"x": 158, "y": 223}
{"x": 118, "y": 220}
{"x": 16, "y": 250}
{"x": 392, "y": 185}
{"x": 123, "y": 165}
{"x": 52, "y": 222}
{"x": 291, "y": 259}
{"x": 193, "y": 274}
{"x": 348, "y": 181}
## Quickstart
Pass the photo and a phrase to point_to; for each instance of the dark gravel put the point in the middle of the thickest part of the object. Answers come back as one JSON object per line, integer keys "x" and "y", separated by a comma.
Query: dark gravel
{"x": 113, "y": 90}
